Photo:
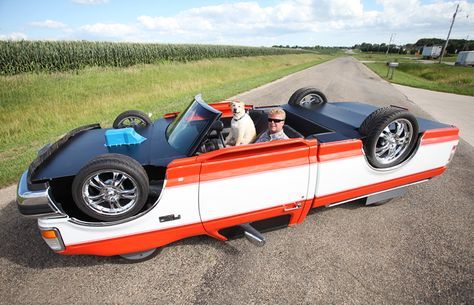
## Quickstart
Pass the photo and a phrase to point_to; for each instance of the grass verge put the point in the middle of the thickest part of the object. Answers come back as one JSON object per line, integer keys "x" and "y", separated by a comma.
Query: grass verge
{"x": 407, "y": 58}
{"x": 451, "y": 79}
{"x": 382, "y": 57}
{"x": 38, "y": 108}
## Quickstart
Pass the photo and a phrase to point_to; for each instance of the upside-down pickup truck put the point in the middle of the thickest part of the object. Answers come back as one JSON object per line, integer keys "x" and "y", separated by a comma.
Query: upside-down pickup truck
{"x": 140, "y": 185}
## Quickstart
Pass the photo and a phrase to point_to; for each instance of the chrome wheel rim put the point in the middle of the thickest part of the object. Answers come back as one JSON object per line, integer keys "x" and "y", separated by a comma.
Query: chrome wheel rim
{"x": 110, "y": 193}
{"x": 132, "y": 121}
{"x": 393, "y": 141}
{"x": 311, "y": 99}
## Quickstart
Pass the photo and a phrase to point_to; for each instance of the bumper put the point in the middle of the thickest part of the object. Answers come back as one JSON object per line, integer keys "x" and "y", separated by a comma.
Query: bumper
{"x": 36, "y": 203}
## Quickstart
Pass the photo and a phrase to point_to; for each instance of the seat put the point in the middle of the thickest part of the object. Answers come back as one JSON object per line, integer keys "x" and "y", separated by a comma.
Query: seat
{"x": 260, "y": 120}
{"x": 291, "y": 133}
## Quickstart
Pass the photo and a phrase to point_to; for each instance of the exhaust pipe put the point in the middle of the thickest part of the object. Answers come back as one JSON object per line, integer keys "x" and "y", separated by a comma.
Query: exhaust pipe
{"x": 253, "y": 235}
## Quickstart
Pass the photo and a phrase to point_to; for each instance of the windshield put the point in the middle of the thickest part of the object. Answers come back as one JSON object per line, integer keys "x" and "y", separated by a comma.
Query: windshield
{"x": 188, "y": 128}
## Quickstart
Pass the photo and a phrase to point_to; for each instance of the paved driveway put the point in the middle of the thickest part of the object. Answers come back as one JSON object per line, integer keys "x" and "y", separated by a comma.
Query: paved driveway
{"x": 416, "y": 250}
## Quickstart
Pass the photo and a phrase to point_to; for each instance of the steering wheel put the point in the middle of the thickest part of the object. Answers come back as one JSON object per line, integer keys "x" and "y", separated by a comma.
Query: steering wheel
{"x": 218, "y": 126}
{"x": 213, "y": 142}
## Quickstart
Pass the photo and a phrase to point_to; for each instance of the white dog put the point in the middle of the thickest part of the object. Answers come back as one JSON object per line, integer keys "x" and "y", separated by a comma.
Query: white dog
{"x": 242, "y": 129}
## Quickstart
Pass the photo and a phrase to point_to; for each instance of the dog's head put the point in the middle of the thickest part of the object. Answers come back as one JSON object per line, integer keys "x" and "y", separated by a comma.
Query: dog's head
{"x": 238, "y": 108}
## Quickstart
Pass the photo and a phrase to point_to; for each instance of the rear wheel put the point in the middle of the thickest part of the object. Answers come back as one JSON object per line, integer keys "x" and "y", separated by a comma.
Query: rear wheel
{"x": 307, "y": 96}
{"x": 111, "y": 187}
{"x": 390, "y": 135}
{"x": 132, "y": 118}
{"x": 140, "y": 256}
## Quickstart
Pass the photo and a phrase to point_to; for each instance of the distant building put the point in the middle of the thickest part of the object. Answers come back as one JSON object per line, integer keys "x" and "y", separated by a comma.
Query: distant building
{"x": 431, "y": 52}
{"x": 465, "y": 58}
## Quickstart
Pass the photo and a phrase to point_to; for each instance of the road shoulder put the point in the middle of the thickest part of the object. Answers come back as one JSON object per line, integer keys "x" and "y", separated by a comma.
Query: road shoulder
{"x": 447, "y": 108}
{"x": 7, "y": 195}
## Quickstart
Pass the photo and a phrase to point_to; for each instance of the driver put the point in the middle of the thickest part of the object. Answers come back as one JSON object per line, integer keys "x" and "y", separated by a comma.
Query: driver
{"x": 276, "y": 121}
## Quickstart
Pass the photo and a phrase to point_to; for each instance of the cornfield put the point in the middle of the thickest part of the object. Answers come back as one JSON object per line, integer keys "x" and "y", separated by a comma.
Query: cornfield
{"x": 52, "y": 56}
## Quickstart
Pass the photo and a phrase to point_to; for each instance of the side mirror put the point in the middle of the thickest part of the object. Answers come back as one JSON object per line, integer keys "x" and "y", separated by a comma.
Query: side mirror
{"x": 217, "y": 126}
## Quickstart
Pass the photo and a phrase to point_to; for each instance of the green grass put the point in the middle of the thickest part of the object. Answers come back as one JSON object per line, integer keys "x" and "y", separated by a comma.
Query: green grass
{"x": 37, "y": 108}
{"x": 448, "y": 58}
{"x": 381, "y": 57}
{"x": 407, "y": 58}
{"x": 437, "y": 77}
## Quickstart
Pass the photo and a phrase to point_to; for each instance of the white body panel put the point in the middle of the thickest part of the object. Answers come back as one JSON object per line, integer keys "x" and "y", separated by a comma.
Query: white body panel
{"x": 346, "y": 174}
{"x": 179, "y": 200}
{"x": 247, "y": 193}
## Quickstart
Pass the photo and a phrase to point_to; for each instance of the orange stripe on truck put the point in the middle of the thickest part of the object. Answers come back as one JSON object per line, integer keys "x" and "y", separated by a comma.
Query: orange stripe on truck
{"x": 440, "y": 135}
{"x": 339, "y": 150}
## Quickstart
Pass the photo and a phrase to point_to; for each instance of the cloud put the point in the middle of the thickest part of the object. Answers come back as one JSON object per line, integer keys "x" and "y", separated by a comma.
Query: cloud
{"x": 50, "y": 24}
{"x": 303, "y": 22}
{"x": 14, "y": 36}
{"x": 252, "y": 19}
{"x": 160, "y": 23}
{"x": 244, "y": 21}
{"x": 109, "y": 29}
{"x": 90, "y": 2}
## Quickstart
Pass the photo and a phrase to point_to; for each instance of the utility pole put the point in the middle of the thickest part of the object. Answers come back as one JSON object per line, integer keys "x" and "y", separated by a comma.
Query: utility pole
{"x": 388, "y": 47}
{"x": 449, "y": 33}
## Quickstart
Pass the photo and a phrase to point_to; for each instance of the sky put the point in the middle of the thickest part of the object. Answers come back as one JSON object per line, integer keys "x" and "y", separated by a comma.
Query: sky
{"x": 253, "y": 23}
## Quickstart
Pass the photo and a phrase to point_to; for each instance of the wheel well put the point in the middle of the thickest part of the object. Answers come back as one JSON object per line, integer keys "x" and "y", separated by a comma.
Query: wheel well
{"x": 155, "y": 172}
{"x": 62, "y": 195}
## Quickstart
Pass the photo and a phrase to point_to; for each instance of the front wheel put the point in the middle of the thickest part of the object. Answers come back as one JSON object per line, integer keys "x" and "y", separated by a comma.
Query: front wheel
{"x": 389, "y": 136}
{"x": 111, "y": 187}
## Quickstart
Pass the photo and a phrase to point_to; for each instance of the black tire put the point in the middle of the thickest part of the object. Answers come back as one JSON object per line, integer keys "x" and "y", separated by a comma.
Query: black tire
{"x": 307, "y": 96}
{"x": 132, "y": 118}
{"x": 111, "y": 187}
{"x": 383, "y": 148}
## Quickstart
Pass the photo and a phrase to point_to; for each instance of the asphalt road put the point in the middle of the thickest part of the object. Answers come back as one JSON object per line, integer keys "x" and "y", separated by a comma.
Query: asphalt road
{"x": 418, "y": 249}
{"x": 448, "y": 108}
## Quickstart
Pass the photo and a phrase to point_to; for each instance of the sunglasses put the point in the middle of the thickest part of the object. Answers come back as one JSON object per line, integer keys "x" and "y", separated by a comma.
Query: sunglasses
{"x": 274, "y": 120}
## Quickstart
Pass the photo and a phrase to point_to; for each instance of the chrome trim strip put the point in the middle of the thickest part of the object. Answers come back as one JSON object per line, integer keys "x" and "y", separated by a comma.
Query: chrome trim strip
{"x": 371, "y": 194}
{"x": 35, "y": 203}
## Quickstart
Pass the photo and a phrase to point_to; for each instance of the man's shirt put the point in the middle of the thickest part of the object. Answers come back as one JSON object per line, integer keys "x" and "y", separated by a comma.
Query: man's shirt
{"x": 266, "y": 136}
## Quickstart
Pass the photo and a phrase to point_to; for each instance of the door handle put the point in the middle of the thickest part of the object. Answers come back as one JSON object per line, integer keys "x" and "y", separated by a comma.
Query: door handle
{"x": 296, "y": 207}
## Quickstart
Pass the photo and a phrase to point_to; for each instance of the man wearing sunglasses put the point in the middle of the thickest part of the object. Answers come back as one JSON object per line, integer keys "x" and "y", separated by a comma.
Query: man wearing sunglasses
{"x": 276, "y": 120}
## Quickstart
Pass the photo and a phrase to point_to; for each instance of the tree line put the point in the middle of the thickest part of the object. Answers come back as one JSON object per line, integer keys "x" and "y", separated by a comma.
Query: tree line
{"x": 454, "y": 46}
